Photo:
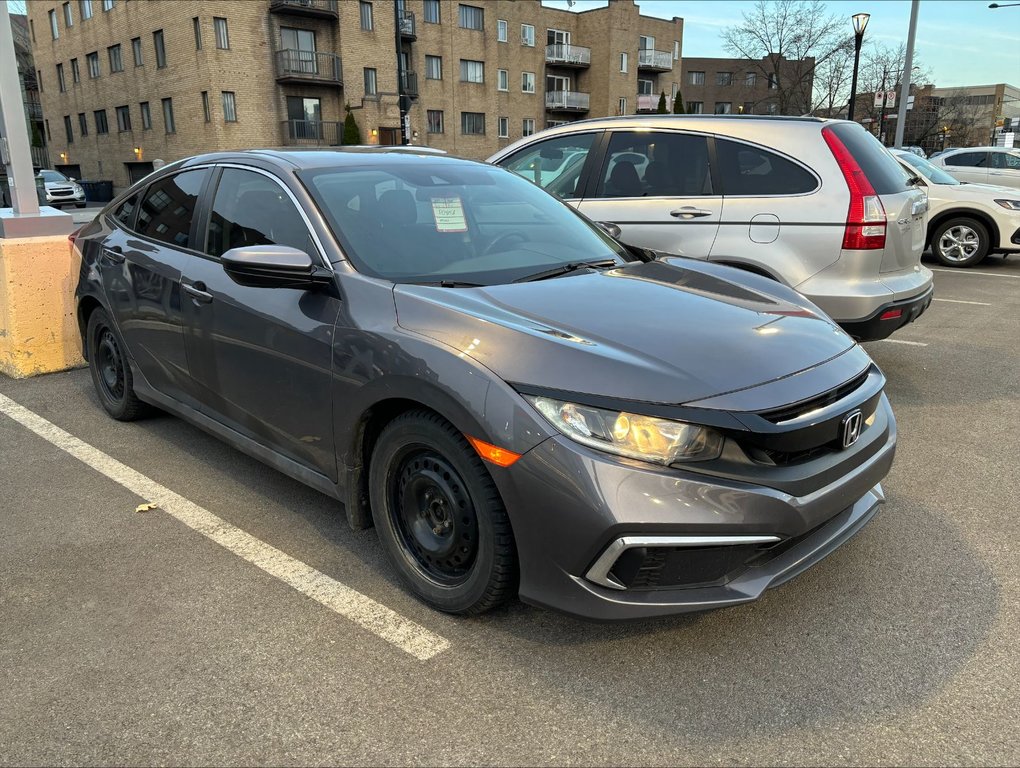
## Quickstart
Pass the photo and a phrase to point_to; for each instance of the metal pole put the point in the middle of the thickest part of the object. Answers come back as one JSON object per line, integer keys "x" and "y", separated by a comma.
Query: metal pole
{"x": 14, "y": 144}
{"x": 901, "y": 120}
{"x": 881, "y": 116}
{"x": 853, "y": 83}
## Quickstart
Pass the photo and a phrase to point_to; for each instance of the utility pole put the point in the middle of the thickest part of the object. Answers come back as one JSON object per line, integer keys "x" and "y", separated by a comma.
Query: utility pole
{"x": 901, "y": 121}
{"x": 881, "y": 115}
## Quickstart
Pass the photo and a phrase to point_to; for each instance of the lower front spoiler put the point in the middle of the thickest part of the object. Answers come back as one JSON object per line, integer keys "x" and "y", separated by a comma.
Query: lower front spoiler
{"x": 592, "y": 601}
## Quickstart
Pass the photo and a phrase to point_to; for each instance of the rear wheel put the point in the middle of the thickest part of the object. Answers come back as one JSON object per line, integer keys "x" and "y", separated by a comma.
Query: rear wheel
{"x": 111, "y": 374}
{"x": 960, "y": 242}
{"x": 439, "y": 516}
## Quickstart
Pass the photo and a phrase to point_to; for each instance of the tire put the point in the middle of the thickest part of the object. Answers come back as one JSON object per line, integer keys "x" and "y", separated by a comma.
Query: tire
{"x": 111, "y": 374}
{"x": 79, "y": 205}
{"x": 960, "y": 242}
{"x": 439, "y": 516}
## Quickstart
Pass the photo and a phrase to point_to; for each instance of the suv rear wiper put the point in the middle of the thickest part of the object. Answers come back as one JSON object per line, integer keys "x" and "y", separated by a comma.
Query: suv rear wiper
{"x": 564, "y": 269}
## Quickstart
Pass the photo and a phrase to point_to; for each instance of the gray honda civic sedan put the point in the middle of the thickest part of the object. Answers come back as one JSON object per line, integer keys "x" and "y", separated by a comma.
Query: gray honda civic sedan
{"x": 517, "y": 402}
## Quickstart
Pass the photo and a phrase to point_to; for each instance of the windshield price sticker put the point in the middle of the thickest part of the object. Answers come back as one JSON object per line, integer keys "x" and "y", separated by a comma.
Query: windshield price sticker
{"x": 449, "y": 214}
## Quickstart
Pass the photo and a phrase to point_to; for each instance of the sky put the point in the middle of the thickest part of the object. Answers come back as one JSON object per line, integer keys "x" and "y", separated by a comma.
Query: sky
{"x": 962, "y": 42}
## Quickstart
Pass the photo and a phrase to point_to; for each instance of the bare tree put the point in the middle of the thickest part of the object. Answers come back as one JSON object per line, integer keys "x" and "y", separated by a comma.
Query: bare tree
{"x": 832, "y": 81}
{"x": 787, "y": 40}
{"x": 881, "y": 69}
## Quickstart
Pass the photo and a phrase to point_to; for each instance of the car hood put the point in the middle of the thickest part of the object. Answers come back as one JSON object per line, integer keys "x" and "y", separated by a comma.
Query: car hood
{"x": 50, "y": 185}
{"x": 667, "y": 331}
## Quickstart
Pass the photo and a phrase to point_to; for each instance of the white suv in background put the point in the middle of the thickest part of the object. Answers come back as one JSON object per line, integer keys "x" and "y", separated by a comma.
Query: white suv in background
{"x": 982, "y": 165}
{"x": 816, "y": 204}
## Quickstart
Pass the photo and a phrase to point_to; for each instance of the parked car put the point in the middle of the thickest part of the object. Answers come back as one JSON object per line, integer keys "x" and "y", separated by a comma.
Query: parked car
{"x": 919, "y": 151}
{"x": 62, "y": 190}
{"x": 816, "y": 205}
{"x": 982, "y": 165}
{"x": 518, "y": 402}
{"x": 965, "y": 221}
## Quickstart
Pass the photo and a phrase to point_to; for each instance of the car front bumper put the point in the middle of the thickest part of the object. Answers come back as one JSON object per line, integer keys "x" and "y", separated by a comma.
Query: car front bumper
{"x": 77, "y": 198}
{"x": 577, "y": 514}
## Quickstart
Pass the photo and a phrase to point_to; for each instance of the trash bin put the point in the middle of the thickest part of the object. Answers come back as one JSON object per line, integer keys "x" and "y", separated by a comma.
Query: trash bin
{"x": 97, "y": 191}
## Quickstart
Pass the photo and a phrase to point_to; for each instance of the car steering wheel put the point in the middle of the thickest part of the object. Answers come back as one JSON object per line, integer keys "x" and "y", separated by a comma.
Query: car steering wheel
{"x": 503, "y": 240}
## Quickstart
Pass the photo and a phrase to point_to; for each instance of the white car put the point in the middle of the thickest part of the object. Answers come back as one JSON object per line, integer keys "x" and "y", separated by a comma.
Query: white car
{"x": 982, "y": 165}
{"x": 966, "y": 221}
{"x": 61, "y": 190}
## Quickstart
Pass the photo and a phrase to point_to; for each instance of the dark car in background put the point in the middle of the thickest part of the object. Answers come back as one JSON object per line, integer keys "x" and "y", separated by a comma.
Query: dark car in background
{"x": 517, "y": 402}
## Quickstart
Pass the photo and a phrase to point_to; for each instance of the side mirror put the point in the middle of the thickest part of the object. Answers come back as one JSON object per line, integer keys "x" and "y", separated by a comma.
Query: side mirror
{"x": 610, "y": 229}
{"x": 71, "y": 178}
{"x": 273, "y": 266}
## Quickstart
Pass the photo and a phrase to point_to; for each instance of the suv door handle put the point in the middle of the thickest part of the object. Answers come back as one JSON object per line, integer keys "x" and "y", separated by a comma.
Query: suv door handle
{"x": 690, "y": 212}
{"x": 197, "y": 291}
{"x": 114, "y": 254}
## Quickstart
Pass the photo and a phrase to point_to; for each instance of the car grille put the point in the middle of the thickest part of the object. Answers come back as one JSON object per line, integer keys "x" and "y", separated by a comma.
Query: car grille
{"x": 791, "y": 412}
{"x": 61, "y": 192}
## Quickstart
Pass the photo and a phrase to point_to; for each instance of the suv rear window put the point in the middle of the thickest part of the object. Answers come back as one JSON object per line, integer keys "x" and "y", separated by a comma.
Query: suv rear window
{"x": 887, "y": 176}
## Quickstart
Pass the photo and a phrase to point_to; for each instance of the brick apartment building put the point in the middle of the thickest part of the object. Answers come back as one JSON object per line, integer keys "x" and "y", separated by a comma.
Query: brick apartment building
{"x": 127, "y": 82}
{"x": 745, "y": 86}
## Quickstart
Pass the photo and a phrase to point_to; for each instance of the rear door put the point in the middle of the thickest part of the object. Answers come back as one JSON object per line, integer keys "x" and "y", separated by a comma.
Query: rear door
{"x": 1005, "y": 169}
{"x": 657, "y": 187}
{"x": 969, "y": 166}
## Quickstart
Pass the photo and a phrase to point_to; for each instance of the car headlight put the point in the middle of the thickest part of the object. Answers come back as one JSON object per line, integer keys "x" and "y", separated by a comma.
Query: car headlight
{"x": 648, "y": 438}
{"x": 76, "y": 188}
{"x": 1013, "y": 205}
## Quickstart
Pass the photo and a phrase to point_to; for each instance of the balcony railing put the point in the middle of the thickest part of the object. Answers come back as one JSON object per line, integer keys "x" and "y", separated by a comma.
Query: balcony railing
{"x": 647, "y": 102}
{"x": 407, "y": 28}
{"x": 40, "y": 157}
{"x": 409, "y": 83}
{"x": 647, "y": 58}
{"x": 566, "y": 101}
{"x": 326, "y": 9}
{"x": 34, "y": 110}
{"x": 312, "y": 133}
{"x": 295, "y": 66}
{"x": 568, "y": 55}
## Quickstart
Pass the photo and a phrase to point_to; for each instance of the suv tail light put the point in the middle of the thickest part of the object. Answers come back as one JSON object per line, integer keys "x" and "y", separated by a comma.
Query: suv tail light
{"x": 865, "y": 220}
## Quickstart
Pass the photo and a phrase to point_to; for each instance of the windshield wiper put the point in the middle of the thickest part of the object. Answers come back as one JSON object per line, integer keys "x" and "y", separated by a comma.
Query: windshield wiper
{"x": 564, "y": 269}
{"x": 449, "y": 284}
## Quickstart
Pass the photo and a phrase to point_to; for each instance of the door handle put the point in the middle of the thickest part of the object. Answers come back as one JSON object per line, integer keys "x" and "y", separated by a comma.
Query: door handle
{"x": 689, "y": 212}
{"x": 114, "y": 254}
{"x": 197, "y": 292}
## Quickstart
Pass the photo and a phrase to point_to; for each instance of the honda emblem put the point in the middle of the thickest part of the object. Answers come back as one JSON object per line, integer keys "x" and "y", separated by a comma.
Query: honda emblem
{"x": 852, "y": 427}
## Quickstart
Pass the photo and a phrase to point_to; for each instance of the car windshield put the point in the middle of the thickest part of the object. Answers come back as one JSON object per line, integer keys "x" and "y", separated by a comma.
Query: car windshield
{"x": 932, "y": 173}
{"x": 452, "y": 222}
{"x": 53, "y": 176}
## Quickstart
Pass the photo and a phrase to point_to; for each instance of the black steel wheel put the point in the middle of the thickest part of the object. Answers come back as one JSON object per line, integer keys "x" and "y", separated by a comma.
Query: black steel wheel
{"x": 111, "y": 373}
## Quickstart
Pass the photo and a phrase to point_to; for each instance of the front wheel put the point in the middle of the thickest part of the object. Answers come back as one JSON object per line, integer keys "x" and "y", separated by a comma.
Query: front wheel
{"x": 440, "y": 517}
{"x": 960, "y": 242}
{"x": 111, "y": 374}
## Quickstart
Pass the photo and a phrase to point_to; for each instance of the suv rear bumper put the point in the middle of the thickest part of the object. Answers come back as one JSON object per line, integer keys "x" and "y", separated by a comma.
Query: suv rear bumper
{"x": 889, "y": 317}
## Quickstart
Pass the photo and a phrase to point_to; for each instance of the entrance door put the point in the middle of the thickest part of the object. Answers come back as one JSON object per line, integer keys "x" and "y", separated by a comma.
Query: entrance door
{"x": 557, "y": 83}
{"x": 304, "y": 117}
{"x": 138, "y": 171}
{"x": 557, "y": 37}
{"x": 71, "y": 171}
{"x": 299, "y": 45}
{"x": 389, "y": 136}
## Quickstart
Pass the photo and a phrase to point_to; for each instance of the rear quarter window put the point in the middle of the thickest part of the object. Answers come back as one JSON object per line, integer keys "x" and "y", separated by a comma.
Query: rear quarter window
{"x": 750, "y": 170}
{"x": 886, "y": 175}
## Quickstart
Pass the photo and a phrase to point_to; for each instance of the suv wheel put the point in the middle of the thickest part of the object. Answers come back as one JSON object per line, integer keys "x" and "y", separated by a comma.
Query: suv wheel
{"x": 960, "y": 242}
{"x": 111, "y": 373}
{"x": 439, "y": 516}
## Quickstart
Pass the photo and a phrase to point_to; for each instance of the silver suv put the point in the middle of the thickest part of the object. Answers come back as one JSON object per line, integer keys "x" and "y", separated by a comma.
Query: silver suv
{"x": 816, "y": 204}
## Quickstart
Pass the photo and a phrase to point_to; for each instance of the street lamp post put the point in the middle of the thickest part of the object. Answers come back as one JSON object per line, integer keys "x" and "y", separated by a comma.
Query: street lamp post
{"x": 860, "y": 23}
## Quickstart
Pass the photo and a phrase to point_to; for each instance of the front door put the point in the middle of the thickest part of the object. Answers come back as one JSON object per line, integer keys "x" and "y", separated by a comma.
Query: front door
{"x": 304, "y": 117}
{"x": 389, "y": 136}
{"x": 260, "y": 357}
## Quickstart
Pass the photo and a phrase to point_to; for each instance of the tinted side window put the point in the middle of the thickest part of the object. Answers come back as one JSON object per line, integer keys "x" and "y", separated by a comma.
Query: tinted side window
{"x": 125, "y": 212}
{"x": 1006, "y": 160}
{"x": 748, "y": 170}
{"x": 885, "y": 174}
{"x": 168, "y": 207}
{"x": 656, "y": 165}
{"x": 969, "y": 159}
{"x": 252, "y": 209}
{"x": 554, "y": 164}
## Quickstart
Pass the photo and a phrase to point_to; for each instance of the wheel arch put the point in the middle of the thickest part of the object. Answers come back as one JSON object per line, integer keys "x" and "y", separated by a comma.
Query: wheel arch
{"x": 87, "y": 304}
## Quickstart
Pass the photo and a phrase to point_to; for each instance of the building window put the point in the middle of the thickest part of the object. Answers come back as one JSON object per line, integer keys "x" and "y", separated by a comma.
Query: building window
{"x": 502, "y": 80}
{"x": 432, "y": 14}
{"x": 49, "y": 137}
{"x": 366, "y": 15}
{"x": 751, "y": 79}
{"x": 38, "y": 79}
{"x": 528, "y": 126}
{"x": 229, "y": 107}
{"x": 528, "y": 35}
{"x": 116, "y": 63}
{"x": 136, "y": 50}
{"x": 146, "y": 115}
{"x": 673, "y": 90}
{"x": 646, "y": 42}
{"x": 723, "y": 107}
{"x": 85, "y": 9}
{"x": 435, "y": 120}
{"x": 370, "y": 81}
{"x": 470, "y": 17}
{"x": 75, "y": 72}
{"x": 222, "y": 36}
{"x": 168, "y": 116}
{"x": 676, "y": 50}
{"x": 157, "y": 43}
{"x": 695, "y": 78}
{"x": 31, "y": 26}
{"x": 621, "y": 108}
{"x": 724, "y": 78}
{"x": 68, "y": 21}
{"x": 624, "y": 62}
{"x": 502, "y": 32}
{"x": 60, "y": 78}
{"x": 123, "y": 119}
{"x": 196, "y": 22}
{"x": 54, "y": 29}
{"x": 67, "y": 129}
{"x": 433, "y": 67}
{"x": 503, "y": 128}
{"x": 472, "y": 123}
{"x": 472, "y": 71}
{"x": 695, "y": 107}
{"x": 773, "y": 82}
{"x": 83, "y": 124}
{"x": 746, "y": 108}
{"x": 644, "y": 87}
{"x": 100, "y": 117}
{"x": 107, "y": 5}
{"x": 92, "y": 62}
{"x": 527, "y": 82}
{"x": 205, "y": 107}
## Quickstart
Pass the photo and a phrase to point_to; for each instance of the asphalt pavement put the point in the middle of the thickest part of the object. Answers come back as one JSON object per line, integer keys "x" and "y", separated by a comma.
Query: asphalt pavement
{"x": 129, "y": 637}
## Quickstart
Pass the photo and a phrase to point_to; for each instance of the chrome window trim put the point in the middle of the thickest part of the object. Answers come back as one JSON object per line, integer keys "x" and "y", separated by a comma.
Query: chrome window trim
{"x": 599, "y": 573}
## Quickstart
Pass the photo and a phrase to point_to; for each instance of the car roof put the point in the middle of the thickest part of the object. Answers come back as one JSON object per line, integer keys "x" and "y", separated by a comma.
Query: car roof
{"x": 331, "y": 157}
{"x": 981, "y": 149}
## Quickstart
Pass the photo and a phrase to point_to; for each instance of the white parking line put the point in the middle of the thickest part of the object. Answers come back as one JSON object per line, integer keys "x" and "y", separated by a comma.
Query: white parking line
{"x": 973, "y": 273}
{"x": 961, "y": 301}
{"x": 904, "y": 341}
{"x": 363, "y": 611}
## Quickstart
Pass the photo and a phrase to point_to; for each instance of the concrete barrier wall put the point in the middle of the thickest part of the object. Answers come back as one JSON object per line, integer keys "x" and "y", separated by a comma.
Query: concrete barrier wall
{"x": 38, "y": 329}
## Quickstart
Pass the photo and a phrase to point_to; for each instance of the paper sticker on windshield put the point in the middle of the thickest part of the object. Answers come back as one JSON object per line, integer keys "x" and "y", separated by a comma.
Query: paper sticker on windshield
{"x": 449, "y": 214}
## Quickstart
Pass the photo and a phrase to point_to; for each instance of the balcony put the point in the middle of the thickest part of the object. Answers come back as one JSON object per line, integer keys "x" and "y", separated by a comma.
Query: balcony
{"x": 321, "y": 9}
{"x": 34, "y": 110}
{"x": 566, "y": 101}
{"x": 648, "y": 102}
{"x": 563, "y": 55}
{"x": 308, "y": 68}
{"x": 407, "y": 28}
{"x": 409, "y": 83}
{"x": 657, "y": 61}
{"x": 311, "y": 133}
